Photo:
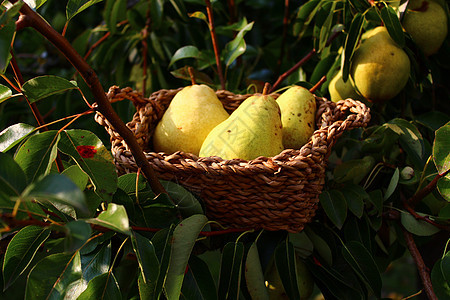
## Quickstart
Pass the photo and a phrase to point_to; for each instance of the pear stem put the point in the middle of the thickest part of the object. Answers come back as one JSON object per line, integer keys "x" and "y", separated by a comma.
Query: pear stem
{"x": 266, "y": 88}
{"x": 191, "y": 74}
{"x": 318, "y": 85}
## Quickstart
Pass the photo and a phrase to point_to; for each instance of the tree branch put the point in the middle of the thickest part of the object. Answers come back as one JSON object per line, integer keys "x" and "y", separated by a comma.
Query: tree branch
{"x": 417, "y": 197}
{"x": 421, "y": 267}
{"x": 212, "y": 30}
{"x": 32, "y": 19}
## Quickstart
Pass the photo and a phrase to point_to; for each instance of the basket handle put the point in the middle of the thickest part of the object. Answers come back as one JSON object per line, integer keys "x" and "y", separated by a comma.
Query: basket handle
{"x": 337, "y": 117}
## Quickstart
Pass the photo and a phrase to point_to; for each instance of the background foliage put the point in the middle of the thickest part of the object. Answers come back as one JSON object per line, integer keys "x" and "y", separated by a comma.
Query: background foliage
{"x": 78, "y": 231}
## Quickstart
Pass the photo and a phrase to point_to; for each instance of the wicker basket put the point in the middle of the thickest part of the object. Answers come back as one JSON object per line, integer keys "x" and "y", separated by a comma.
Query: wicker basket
{"x": 274, "y": 193}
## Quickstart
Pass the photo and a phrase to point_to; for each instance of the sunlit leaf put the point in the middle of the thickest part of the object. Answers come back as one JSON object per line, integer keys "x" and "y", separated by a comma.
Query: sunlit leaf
{"x": 441, "y": 146}
{"x": 44, "y": 86}
{"x": 77, "y": 175}
{"x": 50, "y": 277}
{"x": 13, "y": 135}
{"x": 5, "y": 93}
{"x": 76, "y": 6}
{"x": 37, "y": 154}
{"x": 20, "y": 252}
{"x": 443, "y": 187}
{"x": 146, "y": 257}
{"x": 114, "y": 217}
{"x": 184, "y": 52}
{"x": 183, "y": 241}
{"x": 237, "y": 46}
{"x": 102, "y": 287}
{"x": 35, "y": 3}
{"x": 93, "y": 158}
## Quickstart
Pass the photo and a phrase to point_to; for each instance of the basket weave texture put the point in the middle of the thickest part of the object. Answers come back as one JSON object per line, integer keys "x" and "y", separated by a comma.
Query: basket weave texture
{"x": 274, "y": 193}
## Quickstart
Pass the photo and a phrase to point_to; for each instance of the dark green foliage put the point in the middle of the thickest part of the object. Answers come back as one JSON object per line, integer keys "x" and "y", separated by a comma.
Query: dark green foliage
{"x": 71, "y": 227}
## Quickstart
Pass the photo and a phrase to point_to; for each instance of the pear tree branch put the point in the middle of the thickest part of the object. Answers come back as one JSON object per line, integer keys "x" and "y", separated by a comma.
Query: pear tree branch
{"x": 29, "y": 18}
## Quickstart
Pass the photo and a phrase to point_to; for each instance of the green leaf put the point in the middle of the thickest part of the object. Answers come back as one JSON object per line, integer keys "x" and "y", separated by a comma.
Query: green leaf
{"x": 237, "y": 46}
{"x": 199, "y": 15}
{"x": 360, "y": 259}
{"x": 118, "y": 13}
{"x": 417, "y": 227}
{"x": 93, "y": 158}
{"x": 185, "y": 52}
{"x": 114, "y": 217}
{"x": 102, "y": 287}
{"x": 5, "y": 93}
{"x": 44, "y": 86}
{"x": 96, "y": 261}
{"x": 179, "y": 7}
{"x": 325, "y": 29}
{"x": 410, "y": 139}
{"x": 185, "y": 201}
{"x": 334, "y": 204}
{"x": 77, "y": 233}
{"x": 230, "y": 271}
{"x": 441, "y": 144}
{"x": 13, "y": 135}
{"x": 157, "y": 12}
{"x": 56, "y": 189}
{"x": 77, "y": 176}
{"x": 37, "y": 154}
{"x": 183, "y": 240}
{"x": 392, "y": 184}
{"x": 6, "y": 38}
{"x": 127, "y": 183}
{"x": 441, "y": 285}
{"x": 445, "y": 266}
{"x": 200, "y": 77}
{"x": 393, "y": 25}
{"x": 354, "y": 170}
{"x": 51, "y": 276}
{"x": 12, "y": 177}
{"x": 285, "y": 263}
{"x": 355, "y": 196}
{"x": 76, "y": 6}
{"x": 21, "y": 251}
{"x": 320, "y": 245}
{"x": 302, "y": 243}
{"x": 198, "y": 282}
{"x": 443, "y": 187}
{"x": 146, "y": 257}
{"x": 351, "y": 42}
{"x": 304, "y": 16}
{"x": 35, "y": 4}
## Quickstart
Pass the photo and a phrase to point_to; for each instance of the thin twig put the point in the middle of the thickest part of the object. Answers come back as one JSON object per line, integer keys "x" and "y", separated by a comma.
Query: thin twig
{"x": 36, "y": 113}
{"x": 212, "y": 30}
{"x": 291, "y": 70}
{"x": 32, "y": 19}
{"x": 284, "y": 35}
{"x": 417, "y": 197}
{"x": 318, "y": 84}
{"x": 421, "y": 267}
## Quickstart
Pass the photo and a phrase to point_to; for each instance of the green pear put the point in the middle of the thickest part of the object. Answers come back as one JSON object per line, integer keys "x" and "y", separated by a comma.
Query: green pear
{"x": 426, "y": 22}
{"x": 340, "y": 90}
{"x": 253, "y": 129}
{"x": 379, "y": 68}
{"x": 298, "y": 113}
{"x": 274, "y": 284}
{"x": 191, "y": 115}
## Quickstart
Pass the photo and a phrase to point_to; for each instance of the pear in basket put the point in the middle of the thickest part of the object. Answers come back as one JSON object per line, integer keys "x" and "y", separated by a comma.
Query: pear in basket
{"x": 253, "y": 129}
{"x": 298, "y": 111}
{"x": 192, "y": 114}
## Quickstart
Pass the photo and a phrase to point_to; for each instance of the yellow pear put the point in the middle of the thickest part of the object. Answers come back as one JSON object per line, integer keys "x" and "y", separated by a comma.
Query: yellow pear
{"x": 298, "y": 113}
{"x": 191, "y": 115}
{"x": 275, "y": 287}
{"x": 340, "y": 90}
{"x": 379, "y": 68}
{"x": 426, "y": 22}
{"x": 253, "y": 129}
